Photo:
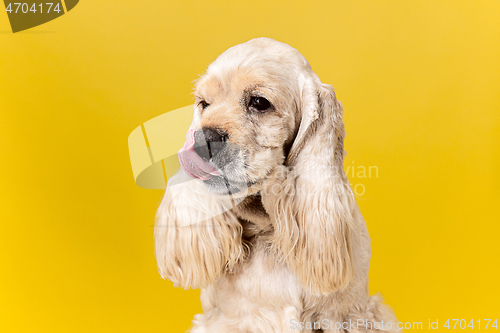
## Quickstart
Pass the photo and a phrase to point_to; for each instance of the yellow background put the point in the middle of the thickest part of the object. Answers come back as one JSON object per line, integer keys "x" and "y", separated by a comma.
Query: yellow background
{"x": 420, "y": 83}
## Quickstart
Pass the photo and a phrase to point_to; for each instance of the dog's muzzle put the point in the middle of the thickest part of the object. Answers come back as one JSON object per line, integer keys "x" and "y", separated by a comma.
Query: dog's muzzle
{"x": 208, "y": 143}
{"x": 206, "y": 153}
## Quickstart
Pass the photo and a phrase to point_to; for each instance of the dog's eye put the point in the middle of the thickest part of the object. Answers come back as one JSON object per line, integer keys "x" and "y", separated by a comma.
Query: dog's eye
{"x": 204, "y": 105}
{"x": 259, "y": 103}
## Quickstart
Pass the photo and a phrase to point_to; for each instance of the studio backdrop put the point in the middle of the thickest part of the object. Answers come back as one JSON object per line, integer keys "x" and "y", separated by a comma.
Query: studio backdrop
{"x": 420, "y": 85}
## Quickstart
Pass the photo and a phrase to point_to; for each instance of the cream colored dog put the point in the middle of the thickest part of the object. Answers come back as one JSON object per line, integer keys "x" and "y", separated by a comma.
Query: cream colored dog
{"x": 261, "y": 216}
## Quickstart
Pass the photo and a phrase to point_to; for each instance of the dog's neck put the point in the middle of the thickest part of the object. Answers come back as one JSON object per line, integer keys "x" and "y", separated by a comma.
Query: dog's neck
{"x": 253, "y": 217}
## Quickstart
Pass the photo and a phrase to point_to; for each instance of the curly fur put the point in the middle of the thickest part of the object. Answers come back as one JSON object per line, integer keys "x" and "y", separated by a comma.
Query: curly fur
{"x": 293, "y": 246}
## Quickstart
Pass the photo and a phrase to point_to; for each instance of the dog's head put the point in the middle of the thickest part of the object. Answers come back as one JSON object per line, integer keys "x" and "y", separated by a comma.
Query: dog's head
{"x": 248, "y": 109}
{"x": 261, "y": 109}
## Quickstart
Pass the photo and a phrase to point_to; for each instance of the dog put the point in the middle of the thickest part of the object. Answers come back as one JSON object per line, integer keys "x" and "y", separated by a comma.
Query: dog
{"x": 261, "y": 216}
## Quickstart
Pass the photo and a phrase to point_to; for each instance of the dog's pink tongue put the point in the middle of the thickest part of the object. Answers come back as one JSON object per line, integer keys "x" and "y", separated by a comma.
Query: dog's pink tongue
{"x": 192, "y": 163}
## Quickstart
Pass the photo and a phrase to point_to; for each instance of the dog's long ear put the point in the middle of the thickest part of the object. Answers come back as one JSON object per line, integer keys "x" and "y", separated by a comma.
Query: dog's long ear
{"x": 197, "y": 236}
{"x": 313, "y": 207}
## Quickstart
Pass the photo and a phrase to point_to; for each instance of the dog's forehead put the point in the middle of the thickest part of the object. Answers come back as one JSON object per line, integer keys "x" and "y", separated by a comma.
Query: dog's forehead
{"x": 259, "y": 52}
{"x": 230, "y": 82}
{"x": 260, "y": 60}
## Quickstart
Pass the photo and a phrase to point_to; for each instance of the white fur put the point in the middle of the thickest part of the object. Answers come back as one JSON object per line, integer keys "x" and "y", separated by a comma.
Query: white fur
{"x": 307, "y": 259}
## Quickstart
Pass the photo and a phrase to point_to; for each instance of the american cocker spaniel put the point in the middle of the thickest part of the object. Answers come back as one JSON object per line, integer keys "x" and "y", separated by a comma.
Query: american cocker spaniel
{"x": 261, "y": 216}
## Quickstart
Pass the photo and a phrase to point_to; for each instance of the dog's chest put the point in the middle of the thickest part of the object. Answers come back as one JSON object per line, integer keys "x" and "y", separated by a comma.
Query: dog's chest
{"x": 261, "y": 285}
{"x": 261, "y": 282}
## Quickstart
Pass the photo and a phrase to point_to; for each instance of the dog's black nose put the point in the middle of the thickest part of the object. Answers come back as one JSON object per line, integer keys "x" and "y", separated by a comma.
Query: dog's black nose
{"x": 208, "y": 142}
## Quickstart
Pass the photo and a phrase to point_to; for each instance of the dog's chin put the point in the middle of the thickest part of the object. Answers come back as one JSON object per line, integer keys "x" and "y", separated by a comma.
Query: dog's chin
{"x": 223, "y": 186}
